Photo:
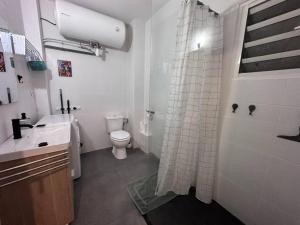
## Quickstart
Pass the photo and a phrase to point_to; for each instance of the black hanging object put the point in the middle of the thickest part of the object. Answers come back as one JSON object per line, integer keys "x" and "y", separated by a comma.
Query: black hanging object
{"x": 16, "y": 128}
{"x": 8, "y": 95}
{"x": 291, "y": 138}
{"x": 61, "y": 102}
{"x": 251, "y": 109}
{"x": 68, "y": 106}
{"x": 12, "y": 62}
{"x": 20, "y": 79}
{"x": 234, "y": 107}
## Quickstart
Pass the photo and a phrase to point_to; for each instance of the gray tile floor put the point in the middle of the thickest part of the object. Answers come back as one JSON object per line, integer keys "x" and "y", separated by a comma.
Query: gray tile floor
{"x": 101, "y": 196}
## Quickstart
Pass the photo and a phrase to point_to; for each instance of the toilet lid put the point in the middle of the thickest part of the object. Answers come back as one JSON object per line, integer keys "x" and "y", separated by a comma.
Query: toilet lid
{"x": 119, "y": 135}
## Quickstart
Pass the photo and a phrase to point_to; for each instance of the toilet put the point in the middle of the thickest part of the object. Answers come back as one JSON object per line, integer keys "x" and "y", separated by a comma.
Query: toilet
{"x": 119, "y": 137}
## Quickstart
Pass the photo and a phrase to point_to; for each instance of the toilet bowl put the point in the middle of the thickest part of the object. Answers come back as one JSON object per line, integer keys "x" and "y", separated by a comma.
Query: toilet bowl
{"x": 120, "y": 139}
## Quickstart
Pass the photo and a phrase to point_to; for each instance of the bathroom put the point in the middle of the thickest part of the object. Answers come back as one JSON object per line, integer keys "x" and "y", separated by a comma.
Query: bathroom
{"x": 149, "y": 112}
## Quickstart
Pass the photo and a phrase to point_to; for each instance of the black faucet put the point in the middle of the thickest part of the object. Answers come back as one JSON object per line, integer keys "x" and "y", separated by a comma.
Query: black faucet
{"x": 17, "y": 128}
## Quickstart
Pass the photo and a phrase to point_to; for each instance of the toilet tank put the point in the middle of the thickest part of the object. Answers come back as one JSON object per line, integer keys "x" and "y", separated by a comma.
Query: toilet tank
{"x": 114, "y": 123}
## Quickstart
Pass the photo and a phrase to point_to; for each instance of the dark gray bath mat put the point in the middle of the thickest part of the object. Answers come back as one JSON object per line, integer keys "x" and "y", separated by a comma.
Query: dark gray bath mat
{"x": 142, "y": 193}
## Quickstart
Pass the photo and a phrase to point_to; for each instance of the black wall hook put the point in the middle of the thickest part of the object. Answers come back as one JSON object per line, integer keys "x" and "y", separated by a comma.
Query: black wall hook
{"x": 251, "y": 109}
{"x": 291, "y": 138}
{"x": 20, "y": 79}
{"x": 234, "y": 107}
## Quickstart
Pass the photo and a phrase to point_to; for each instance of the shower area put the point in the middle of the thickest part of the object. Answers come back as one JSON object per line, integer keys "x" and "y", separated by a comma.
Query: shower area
{"x": 184, "y": 45}
{"x": 255, "y": 173}
{"x": 186, "y": 48}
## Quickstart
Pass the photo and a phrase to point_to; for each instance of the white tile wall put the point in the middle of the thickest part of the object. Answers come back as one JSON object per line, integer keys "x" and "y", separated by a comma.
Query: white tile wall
{"x": 258, "y": 173}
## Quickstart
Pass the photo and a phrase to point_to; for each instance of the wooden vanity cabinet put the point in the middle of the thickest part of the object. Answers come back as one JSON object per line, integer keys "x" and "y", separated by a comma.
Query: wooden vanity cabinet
{"x": 37, "y": 190}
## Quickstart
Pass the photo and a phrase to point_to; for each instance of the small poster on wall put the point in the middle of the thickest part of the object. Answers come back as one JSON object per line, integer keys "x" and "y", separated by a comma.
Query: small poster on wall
{"x": 2, "y": 63}
{"x": 64, "y": 68}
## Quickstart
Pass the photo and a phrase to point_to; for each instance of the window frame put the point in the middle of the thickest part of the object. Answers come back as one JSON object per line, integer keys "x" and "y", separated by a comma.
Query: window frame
{"x": 240, "y": 34}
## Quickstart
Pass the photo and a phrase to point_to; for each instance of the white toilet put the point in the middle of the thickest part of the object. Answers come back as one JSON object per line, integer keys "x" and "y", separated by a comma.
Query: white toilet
{"x": 119, "y": 137}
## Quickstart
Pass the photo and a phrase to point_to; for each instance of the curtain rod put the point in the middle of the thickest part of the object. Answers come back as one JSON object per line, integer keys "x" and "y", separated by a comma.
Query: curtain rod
{"x": 209, "y": 9}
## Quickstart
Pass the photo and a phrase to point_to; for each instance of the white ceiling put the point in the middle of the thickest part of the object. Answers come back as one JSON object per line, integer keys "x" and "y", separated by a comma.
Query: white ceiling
{"x": 125, "y": 10}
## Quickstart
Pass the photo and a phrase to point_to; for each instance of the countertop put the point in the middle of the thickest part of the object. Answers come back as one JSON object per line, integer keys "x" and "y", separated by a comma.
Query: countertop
{"x": 57, "y": 133}
{"x": 56, "y": 119}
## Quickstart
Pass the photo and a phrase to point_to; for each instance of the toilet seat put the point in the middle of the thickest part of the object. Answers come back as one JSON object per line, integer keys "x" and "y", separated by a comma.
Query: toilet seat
{"x": 119, "y": 135}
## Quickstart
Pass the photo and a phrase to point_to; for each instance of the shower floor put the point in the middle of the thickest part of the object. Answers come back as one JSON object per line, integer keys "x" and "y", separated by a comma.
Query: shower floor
{"x": 187, "y": 210}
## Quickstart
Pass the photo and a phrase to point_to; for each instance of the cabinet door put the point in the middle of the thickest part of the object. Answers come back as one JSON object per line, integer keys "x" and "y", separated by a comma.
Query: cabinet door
{"x": 12, "y": 206}
{"x": 40, "y": 199}
{"x": 31, "y": 188}
{"x": 62, "y": 187}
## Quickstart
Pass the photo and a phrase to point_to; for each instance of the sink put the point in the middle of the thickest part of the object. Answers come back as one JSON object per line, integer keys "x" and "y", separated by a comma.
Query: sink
{"x": 56, "y": 135}
{"x": 53, "y": 134}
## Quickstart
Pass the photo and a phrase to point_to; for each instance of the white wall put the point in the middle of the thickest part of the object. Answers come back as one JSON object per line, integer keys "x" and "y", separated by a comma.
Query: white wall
{"x": 98, "y": 87}
{"x": 31, "y": 21}
{"x": 11, "y": 10}
{"x": 258, "y": 173}
{"x": 32, "y": 31}
{"x": 135, "y": 83}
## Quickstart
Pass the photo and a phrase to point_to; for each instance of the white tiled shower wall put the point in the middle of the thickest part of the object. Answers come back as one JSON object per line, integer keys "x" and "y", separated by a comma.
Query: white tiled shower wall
{"x": 258, "y": 173}
{"x": 163, "y": 34}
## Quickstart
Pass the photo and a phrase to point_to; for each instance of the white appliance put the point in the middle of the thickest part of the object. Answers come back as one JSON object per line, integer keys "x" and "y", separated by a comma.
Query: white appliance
{"x": 76, "y": 22}
{"x": 119, "y": 137}
{"x": 75, "y": 147}
{"x": 75, "y": 139}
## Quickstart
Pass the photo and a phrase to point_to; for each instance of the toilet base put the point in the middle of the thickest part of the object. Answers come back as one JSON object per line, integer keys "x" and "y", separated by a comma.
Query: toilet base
{"x": 119, "y": 153}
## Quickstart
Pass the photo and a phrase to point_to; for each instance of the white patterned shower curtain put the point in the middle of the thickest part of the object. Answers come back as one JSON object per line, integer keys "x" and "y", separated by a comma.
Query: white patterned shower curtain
{"x": 190, "y": 140}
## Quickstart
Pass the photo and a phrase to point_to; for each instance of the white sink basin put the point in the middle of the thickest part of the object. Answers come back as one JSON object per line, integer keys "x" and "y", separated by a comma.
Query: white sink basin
{"x": 57, "y": 136}
{"x": 52, "y": 134}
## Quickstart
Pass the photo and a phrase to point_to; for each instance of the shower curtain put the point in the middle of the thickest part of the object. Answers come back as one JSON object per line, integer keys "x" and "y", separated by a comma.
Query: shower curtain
{"x": 190, "y": 139}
